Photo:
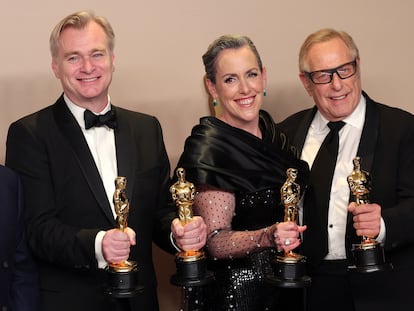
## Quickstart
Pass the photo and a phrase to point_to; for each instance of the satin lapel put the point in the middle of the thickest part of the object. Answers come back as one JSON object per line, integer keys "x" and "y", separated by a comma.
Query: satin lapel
{"x": 366, "y": 151}
{"x": 126, "y": 152}
{"x": 302, "y": 130}
{"x": 72, "y": 132}
{"x": 369, "y": 137}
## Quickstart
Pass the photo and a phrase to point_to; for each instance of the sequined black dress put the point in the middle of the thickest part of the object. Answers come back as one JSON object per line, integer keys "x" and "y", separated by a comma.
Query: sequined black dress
{"x": 254, "y": 169}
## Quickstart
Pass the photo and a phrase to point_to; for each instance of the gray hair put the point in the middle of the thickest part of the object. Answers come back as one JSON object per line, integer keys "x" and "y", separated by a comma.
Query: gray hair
{"x": 223, "y": 43}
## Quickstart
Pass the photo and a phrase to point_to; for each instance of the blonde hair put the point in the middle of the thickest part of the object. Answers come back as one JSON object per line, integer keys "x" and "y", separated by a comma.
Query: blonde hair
{"x": 79, "y": 20}
{"x": 324, "y": 35}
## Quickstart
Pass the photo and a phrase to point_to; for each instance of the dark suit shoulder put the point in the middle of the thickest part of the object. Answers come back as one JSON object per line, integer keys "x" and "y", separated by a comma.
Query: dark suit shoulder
{"x": 7, "y": 175}
{"x": 135, "y": 115}
{"x": 391, "y": 118}
{"x": 39, "y": 118}
{"x": 395, "y": 111}
{"x": 296, "y": 116}
{"x": 137, "y": 122}
{"x": 290, "y": 124}
{"x": 132, "y": 113}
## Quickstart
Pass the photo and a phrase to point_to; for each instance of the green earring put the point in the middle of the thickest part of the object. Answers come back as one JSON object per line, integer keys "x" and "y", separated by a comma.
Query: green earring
{"x": 215, "y": 103}
{"x": 264, "y": 92}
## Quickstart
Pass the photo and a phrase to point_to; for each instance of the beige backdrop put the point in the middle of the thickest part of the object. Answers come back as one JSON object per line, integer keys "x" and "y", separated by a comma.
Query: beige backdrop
{"x": 159, "y": 71}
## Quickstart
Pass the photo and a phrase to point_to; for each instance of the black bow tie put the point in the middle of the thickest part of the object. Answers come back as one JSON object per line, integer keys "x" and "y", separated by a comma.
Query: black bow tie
{"x": 108, "y": 119}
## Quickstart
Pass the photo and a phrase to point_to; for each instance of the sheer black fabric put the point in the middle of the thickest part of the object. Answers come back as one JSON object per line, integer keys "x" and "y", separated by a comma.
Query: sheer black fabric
{"x": 254, "y": 169}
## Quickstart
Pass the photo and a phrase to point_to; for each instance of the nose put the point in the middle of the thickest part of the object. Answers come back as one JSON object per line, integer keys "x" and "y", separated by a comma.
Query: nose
{"x": 87, "y": 65}
{"x": 244, "y": 86}
{"x": 336, "y": 82}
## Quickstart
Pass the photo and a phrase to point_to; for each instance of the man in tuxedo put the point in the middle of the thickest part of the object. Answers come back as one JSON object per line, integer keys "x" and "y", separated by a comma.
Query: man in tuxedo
{"x": 19, "y": 288}
{"x": 69, "y": 157}
{"x": 383, "y": 137}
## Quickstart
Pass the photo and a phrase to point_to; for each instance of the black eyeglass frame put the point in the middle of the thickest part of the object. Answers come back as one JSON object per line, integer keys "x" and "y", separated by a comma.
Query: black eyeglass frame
{"x": 331, "y": 72}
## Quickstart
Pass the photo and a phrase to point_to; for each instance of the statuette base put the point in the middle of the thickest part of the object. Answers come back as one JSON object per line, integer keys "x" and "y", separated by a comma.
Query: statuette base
{"x": 289, "y": 272}
{"x": 369, "y": 258}
{"x": 191, "y": 267}
{"x": 123, "y": 280}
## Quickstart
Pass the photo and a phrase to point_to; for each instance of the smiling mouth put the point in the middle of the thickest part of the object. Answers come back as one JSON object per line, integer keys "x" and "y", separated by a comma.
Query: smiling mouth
{"x": 245, "y": 101}
{"x": 88, "y": 79}
{"x": 338, "y": 97}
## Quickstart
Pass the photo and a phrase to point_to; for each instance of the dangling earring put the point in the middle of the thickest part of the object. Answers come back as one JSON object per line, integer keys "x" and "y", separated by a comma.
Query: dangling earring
{"x": 264, "y": 92}
{"x": 215, "y": 103}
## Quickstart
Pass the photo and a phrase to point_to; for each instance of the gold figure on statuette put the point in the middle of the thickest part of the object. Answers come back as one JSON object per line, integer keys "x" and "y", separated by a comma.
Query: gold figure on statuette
{"x": 290, "y": 196}
{"x": 121, "y": 207}
{"x": 360, "y": 185}
{"x": 369, "y": 255}
{"x": 183, "y": 193}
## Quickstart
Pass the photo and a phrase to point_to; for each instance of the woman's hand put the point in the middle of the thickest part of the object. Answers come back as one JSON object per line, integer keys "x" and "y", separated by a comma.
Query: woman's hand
{"x": 287, "y": 235}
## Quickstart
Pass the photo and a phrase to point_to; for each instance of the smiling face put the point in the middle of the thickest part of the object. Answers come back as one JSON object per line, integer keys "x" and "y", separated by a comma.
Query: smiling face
{"x": 84, "y": 65}
{"x": 239, "y": 88}
{"x": 339, "y": 98}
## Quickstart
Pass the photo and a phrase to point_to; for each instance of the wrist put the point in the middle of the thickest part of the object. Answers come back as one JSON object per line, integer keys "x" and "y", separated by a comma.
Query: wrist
{"x": 270, "y": 233}
{"x": 173, "y": 242}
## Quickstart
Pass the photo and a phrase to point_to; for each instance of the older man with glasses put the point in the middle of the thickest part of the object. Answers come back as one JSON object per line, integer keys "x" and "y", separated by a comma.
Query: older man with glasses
{"x": 383, "y": 137}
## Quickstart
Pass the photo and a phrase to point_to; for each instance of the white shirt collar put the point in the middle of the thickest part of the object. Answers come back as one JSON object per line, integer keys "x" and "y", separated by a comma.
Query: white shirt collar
{"x": 79, "y": 111}
{"x": 355, "y": 119}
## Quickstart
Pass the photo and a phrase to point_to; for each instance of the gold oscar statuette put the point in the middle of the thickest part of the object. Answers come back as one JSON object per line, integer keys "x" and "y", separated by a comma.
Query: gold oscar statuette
{"x": 290, "y": 267}
{"x": 190, "y": 264}
{"x": 369, "y": 254}
{"x": 122, "y": 276}
{"x": 290, "y": 196}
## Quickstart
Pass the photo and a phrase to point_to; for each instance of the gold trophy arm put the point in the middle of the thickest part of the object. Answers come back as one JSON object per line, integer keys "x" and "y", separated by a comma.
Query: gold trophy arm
{"x": 183, "y": 193}
{"x": 360, "y": 185}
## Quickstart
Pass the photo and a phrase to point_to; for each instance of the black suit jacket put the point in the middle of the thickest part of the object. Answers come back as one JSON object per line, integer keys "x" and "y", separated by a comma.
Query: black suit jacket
{"x": 19, "y": 288}
{"x": 66, "y": 204}
{"x": 386, "y": 149}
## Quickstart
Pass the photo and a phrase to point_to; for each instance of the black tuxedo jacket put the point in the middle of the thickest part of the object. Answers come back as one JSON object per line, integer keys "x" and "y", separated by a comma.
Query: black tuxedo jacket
{"x": 66, "y": 204}
{"x": 386, "y": 149}
{"x": 19, "y": 288}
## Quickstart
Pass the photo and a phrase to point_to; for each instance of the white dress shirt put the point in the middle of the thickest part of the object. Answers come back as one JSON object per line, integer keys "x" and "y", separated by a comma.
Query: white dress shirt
{"x": 101, "y": 142}
{"x": 349, "y": 137}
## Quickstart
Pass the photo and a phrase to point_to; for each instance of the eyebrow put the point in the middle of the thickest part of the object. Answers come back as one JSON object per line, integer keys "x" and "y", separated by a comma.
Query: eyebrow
{"x": 79, "y": 53}
{"x": 332, "y": 69}
{"x": 235, "y": 74}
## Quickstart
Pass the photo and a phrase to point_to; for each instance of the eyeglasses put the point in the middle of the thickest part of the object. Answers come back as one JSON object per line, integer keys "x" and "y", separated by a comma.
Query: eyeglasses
{"x": 325, "y": 76}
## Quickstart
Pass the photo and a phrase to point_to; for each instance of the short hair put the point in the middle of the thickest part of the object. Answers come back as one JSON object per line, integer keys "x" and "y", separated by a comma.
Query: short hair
{"x": 223, "y": 43}
{"x": 80, "y": 20}
{"x": 324, "y": 35}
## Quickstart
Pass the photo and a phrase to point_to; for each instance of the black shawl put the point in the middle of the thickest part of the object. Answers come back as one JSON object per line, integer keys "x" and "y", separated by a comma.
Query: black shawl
{"x": 232, "y": 159}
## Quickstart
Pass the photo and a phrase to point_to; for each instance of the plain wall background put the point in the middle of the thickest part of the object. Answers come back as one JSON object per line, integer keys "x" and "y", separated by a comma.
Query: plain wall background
{"x": 158, "y": 59}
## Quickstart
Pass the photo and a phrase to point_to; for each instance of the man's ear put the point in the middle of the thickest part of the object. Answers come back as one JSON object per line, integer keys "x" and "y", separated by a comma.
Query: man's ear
{"x": 306, "y": 83}
{"x": 55, "y": 68}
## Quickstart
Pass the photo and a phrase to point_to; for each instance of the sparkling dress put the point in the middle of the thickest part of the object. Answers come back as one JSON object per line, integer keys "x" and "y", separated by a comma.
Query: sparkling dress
{"x": 238, "y": 178}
